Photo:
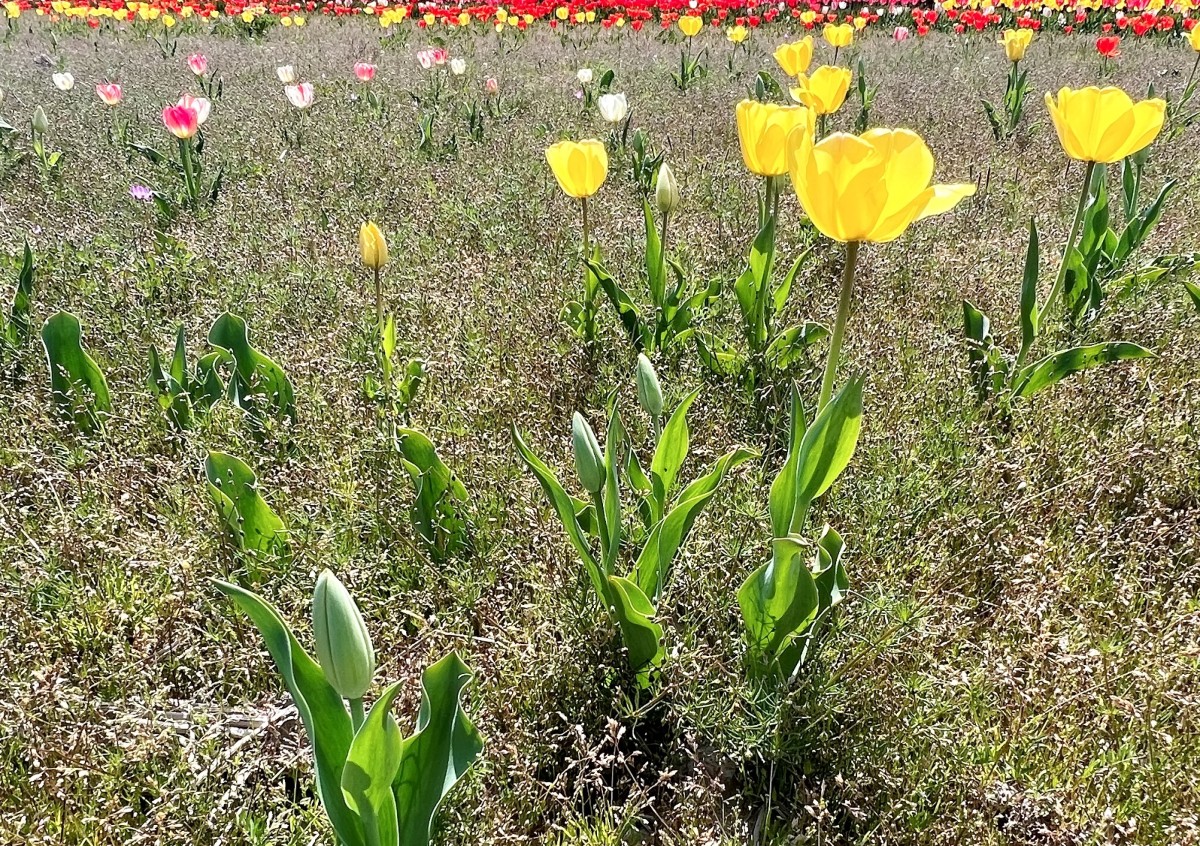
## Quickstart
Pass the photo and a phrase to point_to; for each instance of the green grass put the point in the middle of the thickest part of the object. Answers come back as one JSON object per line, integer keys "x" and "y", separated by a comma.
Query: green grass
{"x": 1017, "y": 663}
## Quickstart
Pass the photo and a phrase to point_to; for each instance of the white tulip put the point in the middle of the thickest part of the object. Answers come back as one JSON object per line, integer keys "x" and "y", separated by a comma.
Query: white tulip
{"x": 584, "y": 75}
{"x": 63, "y": 81}
{"x": 300, "y": 96}
{"x": 286, "y": 74}
{"x": 613, "y": 107}
{"x": 458, "y": 66}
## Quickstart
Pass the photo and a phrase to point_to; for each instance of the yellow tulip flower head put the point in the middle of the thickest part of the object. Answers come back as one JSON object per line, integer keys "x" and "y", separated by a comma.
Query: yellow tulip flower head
{"x": 372, "y": 245}
{"x": 580, "y": 168}
{"x": 690, "y": 24}
{"x": 1194, "y": 38}
{"x": 868, "y": 187}
{"x": 764, "y": 129}
{"x": 825, "y": 90}
{"x": 1016, "y": 42}
{"x": 795, "y": 58}
{"x": 737, "y": 34}
{"x": 839, "y": 35}
{"x": 1104, "y": 124}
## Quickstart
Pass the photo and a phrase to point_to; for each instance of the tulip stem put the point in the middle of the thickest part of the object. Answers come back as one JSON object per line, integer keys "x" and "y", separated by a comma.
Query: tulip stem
{"x": 1084, "y": 195}
{"x": 378, "y": 301}
{"x": 586, "y": 235}
{"x": 839, "y": 327}
{"x": 189, "y": 180}
{"x": 357, "y": 717}
{"x": 601, "y": 527}
{"x": 589, "y": 305}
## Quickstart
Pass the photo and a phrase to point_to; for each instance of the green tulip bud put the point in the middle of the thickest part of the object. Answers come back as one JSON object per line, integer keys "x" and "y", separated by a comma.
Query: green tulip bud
{"x": 343, "y": 643}
{"x": 40, "y": 123}
{"x": 589, "y": 460}
{"x": 666, "y": 190}
{"x": 649, "y": 391}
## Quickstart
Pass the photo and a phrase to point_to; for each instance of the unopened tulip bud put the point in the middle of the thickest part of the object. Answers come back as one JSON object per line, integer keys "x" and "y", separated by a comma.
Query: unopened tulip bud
{"x": 589, "y": 460}
{"x": 666, "y": 190}
{"x": 649, "y": 391}
{"x": 344, "y": 648}
{"x": 40, "y": 124}
{"x": 373, "y": 245}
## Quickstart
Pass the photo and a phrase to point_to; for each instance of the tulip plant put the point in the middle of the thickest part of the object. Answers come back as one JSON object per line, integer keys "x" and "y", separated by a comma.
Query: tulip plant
{"x": 664, "y": 518}
{"x": 668, "y": 319}
{"x": 181, "y": 394}
{"x": 437, "y": 514}
{"x": 184, "y": 121}
{"x": 14, "y": 330}
{"x": 1005, "y": 120}
{"x": 77, "y": 383}
{"x": 378, "y": 788}
{"x": 580, "y": 169}
{"x": 48, "y": 161}
{"x": 691, "y": 68}
{"x": 252, "y": 528}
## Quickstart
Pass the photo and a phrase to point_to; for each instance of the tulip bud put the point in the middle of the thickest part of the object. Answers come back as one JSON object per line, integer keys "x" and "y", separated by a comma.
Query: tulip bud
{"x": 343, "y": 643}
{"x": 666, "y": 190}
{"x": 372, "y": 245}
{"x": 649, "y": 391}
{"x": 40, "y": 124}
{"x": 589, "y": 460}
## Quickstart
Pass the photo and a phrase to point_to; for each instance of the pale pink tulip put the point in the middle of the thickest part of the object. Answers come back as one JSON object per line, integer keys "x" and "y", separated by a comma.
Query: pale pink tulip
{"x": 364, "y": 72}
{"x": 198, "y": 63}
{"x": 425, "y": 58}
{"x": 300, "y": 96}
{"x": 491, "y": 86}
{"x": 109, "y": 93}
{"x": 900, "y": 34}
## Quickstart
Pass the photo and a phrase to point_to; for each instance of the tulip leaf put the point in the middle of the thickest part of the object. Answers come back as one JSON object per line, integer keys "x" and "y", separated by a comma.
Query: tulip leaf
{"x": 640, "y": 634}
{"x": 826, "y": 448}
{"x": 668, "y": 535}
{"x": 615, "y": 440}
{"x": 627, "y": 311}
{"x": 782, "y": 498}
{"x": 437, "y": 510}
{"x": 790, "y": 345}
{"x": 77, "y": 383}
{"x": 718, "y": 355}
{"x": 252, "y": 526}
{"x": 656, "y": 268}
{"x": 257, "y": 385}
{"x": 670, "y": 454}
{"x": 1193, "y": 291}
{"x": 1053, "y": 368}
{"x": 565, "y": 506}
{"x": 370, "y": 770}
{"x": 779, "y": 600}
{"x": 438, "y": 754}
{"x": 15, "y": 332}
{"x": 321, "y": 709}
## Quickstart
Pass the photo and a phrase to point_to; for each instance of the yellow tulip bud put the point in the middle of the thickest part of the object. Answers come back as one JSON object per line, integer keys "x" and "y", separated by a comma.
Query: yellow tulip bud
{"x": 580, "y": 168}
{"x": 1104, "y": 124}
{"x": 825, "y": 90}
{"x": 373, "y": 245}
{"x": 795, "y": 58}
{"x": 1194, "y": 38}
{"x": 1016, "y": 42}
{"x": 690, "y": 24}
{"x": 763, "y": 131}
{"x": 870, "y": 187}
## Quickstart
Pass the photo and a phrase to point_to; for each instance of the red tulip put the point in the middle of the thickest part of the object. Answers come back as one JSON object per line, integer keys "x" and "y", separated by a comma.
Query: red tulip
{"x": 1109, "y": 46}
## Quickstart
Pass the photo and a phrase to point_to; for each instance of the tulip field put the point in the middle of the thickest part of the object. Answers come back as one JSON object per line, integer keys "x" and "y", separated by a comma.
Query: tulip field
{"x": 589, "y": 424}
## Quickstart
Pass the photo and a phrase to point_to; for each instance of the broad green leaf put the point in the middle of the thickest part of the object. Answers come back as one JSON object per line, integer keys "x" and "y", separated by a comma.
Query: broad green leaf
{"x": 1053, "y": 368}
{"x": 830, "y": 572}
{"x": 437, "y": 510}
{"x": 16, "y": 330}
{"x": 670, "y": 453}
{"x": 440, "y": 751}
{"x": 654, "y": 563}
{"x": 564, "y": 505}
{"x": 640, "y": 634}
{"x": 779, "y": 299}
{"x": 1193, "y": 291}
{"x": 371, "y": 768}
{"x": 782, "y": 498}
{"x": 321, "y": 709}
{"x": 827, "y": 448}
{"x": 76, "y": 381}
{"x": 257, "y": 381}
{"x": 779, "y": 600}
{"x": 615, "y": 439}
{"x": 253, "y": 526}
{"x": 656, "y": 268}
{"x": 627, "y": 311}
{"x": 790, "y": 345}
{"x": 717, "y": 355}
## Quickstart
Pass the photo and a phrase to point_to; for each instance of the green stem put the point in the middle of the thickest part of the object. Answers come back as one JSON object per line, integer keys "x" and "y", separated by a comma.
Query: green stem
{"x": 601, "y": 526}
{"x": 589, "y": 306}
{"x": 189, "y": 178}
{"x": 1075, "y": 224}
{"x": 839, "y": 328}
{"x": 357, "y": 717}
{"x": 378, "y": 302}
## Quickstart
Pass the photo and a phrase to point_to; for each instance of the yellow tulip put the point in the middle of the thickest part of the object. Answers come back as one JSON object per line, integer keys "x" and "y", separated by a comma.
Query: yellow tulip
{"x": 839, "y": 35}
{"x": 12, "y": 10}
{"x": 737, "y": 34}
{"x": 372, "y": 245}
{"x": 764, "y": 129}
{"x": 561, "y": 13}
{"x": 1016, "y": 42}
{"x": 1194, "y": 38}
{"x": 868, "y": 187}
{"x": 1104, "y": 124}
{"x": 825, "y": 90}
{"x": 795, "y": 58}
{"x": 580, "y": 168}
{"x": 690, "y": 24}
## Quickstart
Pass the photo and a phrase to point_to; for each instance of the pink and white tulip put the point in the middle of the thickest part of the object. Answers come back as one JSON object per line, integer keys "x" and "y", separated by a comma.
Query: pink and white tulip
{"x": 364, "y": 72}
{"x": 180, "y": 121}
{"x": 199, "y": 105}
{"x": 300, "y": 96}
{"x": 109, "y": 93}
{"x": 198, "y": 63}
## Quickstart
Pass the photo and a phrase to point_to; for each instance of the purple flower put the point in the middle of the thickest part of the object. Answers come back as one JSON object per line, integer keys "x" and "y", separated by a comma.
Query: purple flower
{"x": 141, "y": 192}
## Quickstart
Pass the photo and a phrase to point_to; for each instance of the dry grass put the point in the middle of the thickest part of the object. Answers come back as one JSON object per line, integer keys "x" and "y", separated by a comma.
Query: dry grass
{"x": 1017, "y": 663}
